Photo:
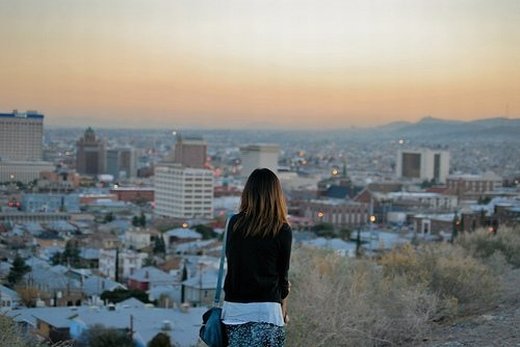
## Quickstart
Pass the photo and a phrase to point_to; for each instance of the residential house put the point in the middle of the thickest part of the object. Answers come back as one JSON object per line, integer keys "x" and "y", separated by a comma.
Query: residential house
{"x": 9, "y": 299}
{"x": 149, "y": 277}
{"x": 63, "y": 323}
{"x": 129, "y": 262}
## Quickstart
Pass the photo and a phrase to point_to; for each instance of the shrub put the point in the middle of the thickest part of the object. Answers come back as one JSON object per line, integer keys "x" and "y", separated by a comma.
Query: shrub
{"x": 449, "y": 272}
{"x": 338, "y": 301}
{"x": 483, "y": 244}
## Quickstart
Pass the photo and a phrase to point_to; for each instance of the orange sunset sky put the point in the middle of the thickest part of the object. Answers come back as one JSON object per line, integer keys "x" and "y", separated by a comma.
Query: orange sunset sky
{"x": 248, "y": 63}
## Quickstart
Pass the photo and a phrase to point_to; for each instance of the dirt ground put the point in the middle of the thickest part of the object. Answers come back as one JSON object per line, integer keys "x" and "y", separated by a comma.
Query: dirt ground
{"x": 499, "y": 326}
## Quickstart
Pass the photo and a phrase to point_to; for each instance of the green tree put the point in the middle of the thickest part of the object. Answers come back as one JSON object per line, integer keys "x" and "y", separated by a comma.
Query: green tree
{"x": 109, "y": 217}
{"x": 135, "y": 221}
{"x": 142, "y": 220}
{"x": 118, "y": 295}
{"x": 159, "y": 246}
{"x": 70, "y": 256}
{"x": 101, "y": 336}
{"x": 324, "y": 230}
{"x": 160, "y": 340}
{"x": 345, "y": 234}
{"x": 206, "y": 231}
{"x": 18, "y": 269}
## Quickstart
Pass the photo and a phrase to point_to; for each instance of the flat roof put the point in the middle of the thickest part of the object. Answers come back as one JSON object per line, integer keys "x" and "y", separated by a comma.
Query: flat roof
{"x": 28, "y": 115}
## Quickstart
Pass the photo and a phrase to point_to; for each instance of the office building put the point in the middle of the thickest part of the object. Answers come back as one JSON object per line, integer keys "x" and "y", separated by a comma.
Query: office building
{"x": 190, "y": 152}
{"x": 21, "y": 136}
{"x": 90, "y": 154}
{"x": 423, "y": 164}
{"x": 21, "y": 143}
{"x": 183, "y": 192}
{"x": 122, "y": 162}
{"x": 259, "y": 156}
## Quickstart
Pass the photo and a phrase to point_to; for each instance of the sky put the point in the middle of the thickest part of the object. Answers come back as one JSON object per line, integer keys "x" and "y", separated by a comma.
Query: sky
{"x": 259, "y": 63}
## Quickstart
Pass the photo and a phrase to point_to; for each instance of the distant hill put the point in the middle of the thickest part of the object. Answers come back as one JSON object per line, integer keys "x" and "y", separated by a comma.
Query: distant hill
{"x": 430, "y": 128}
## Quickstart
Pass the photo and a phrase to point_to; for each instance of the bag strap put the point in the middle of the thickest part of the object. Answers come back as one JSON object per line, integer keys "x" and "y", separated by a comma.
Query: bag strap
{"x": 221, "y": 266}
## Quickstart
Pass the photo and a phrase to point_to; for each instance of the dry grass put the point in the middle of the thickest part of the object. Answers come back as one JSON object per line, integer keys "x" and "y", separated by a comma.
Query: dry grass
{"x": 340, "y": 302}
{"x": 337, "y": 301}
{"x": 462, "y": 282}
{"x": 482, "y": 244}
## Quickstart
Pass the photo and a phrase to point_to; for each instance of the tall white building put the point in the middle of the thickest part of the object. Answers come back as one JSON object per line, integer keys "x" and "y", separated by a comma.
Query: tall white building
{"x": 259, "y": 156}
{"x": 423, "y": 164}
{"x": 182, "y": 192}
{"x": 21, "y": 136}
{"x": 21, "y": 146}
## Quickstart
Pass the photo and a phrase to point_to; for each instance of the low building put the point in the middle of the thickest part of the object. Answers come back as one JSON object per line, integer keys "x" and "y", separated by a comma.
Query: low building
{"x": 9, "y": 299}
{"x": 129, "y": 262}
{"x": 339, "y": 213}
{"x": 23, "y": 171}
{"x": 467, "y": 186}
{"x": 150, "y": 277}
{"x": 136, "y": 195}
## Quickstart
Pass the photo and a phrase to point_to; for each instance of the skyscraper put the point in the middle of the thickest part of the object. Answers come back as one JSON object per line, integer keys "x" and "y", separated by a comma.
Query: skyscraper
{"x": 90, "y": 154}
{"x": 21, "y": 135}
{"x": 122, "y": 162}
{"x": 190, "y": 152}
{"x": 21, "y": 146}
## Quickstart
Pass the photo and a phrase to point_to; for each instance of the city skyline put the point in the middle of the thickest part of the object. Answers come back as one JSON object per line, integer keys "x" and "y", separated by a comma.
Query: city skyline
{"x": 288, "y": 64}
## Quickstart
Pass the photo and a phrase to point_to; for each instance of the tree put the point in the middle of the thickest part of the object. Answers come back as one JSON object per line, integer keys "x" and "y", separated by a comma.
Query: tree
{"x": 28, "y": 295}
{"x": 324, "y": 230}
{"x": 13, "y": 336}
{"x": 345, "y": 234}
{"x": 142, "y": 220}
{"x": 70, "y": 255}
{"x": 160, "y": 340}
{"x": 101, "y": 336}
{"x": 206, "y": 231}
{"x": 18, "y": 270}
{"x": 159, "y": 246}
{"x": 109, "y": 217}
{"x": 139, "y": 221}
{"x": 119, "y": 294}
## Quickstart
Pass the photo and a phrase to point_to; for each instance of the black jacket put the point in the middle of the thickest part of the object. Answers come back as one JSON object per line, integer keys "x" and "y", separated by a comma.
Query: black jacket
{"x": 257, "y": 267}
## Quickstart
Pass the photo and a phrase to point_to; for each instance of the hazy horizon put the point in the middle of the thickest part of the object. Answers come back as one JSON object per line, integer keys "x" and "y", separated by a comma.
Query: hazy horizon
{"x": 259, "y": 64}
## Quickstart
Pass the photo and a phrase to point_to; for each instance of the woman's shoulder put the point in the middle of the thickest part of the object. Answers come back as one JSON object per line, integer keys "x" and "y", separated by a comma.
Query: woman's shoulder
{"x": 286, "y": 230}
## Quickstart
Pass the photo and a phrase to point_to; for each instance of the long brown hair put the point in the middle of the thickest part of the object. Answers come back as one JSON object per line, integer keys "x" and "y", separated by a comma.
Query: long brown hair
{"x": 262, "y": 208}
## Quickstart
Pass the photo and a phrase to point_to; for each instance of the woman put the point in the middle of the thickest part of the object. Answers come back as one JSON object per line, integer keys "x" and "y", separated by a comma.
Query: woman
{"x": 258, "y": 252}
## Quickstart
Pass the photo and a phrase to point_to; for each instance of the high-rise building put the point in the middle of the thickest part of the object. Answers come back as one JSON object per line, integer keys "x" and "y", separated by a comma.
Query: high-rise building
{"x": 21, "y": 135}
{"x": 423, "y": 164}
{"x": 90, "y": 154}
{"x": 259, "y": 156}
{"x": 21, "y": 143}
{"x": 183, "y": 192}
{"x": 190, "y": 152}
{"x": 122, "y": 162}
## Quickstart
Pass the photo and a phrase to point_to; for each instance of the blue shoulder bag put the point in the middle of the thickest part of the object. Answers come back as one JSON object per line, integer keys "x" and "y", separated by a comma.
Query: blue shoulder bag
{"x": 212, "y": 330}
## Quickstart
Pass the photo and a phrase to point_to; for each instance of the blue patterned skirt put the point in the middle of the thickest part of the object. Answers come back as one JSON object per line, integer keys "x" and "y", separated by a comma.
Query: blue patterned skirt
{"x": 255, "y": 334}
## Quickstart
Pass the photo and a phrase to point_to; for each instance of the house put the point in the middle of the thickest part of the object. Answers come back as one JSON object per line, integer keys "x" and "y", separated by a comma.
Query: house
{"x": 9, "y": 299}
{"x": 54, "y": 287}
{"x": 199, "y": 290}
{"x": 149, "y": 277}
{"x": 180, "y": 235}
{"x": 62, "y": 323}
{"x": 139, "y": 238}
{"x": 129, "y": 262}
